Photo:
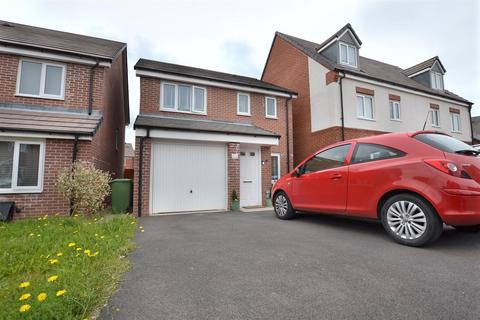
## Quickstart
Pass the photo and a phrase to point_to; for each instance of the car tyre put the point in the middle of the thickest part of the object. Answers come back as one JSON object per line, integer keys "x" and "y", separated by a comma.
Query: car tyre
{"x": 283, "y": 207}
{"x": 410, "y": 220}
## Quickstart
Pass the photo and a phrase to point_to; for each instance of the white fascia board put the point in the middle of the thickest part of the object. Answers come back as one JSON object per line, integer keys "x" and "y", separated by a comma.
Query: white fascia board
{"x": 398, "y": 88}
{"x": 207, "y": 136}
{"x": 22, "y": 134}
{"x": 51, "y": 56}
{"x": 213, "y": 83}
{"x": 352, "y": 35}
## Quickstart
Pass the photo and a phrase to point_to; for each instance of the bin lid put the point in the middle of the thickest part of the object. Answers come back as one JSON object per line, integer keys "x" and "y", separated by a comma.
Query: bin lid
{"x": 121, "y": 180}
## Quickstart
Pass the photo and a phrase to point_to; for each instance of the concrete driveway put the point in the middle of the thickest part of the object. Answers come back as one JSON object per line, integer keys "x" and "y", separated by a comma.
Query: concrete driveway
{"x": 254, "y": 266}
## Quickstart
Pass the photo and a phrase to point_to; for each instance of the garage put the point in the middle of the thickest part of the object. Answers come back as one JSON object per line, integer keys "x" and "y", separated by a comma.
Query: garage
{"x": 188, "y": 176}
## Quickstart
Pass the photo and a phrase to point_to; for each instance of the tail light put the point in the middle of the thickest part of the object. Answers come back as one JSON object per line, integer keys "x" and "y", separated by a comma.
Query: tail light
{"x": 447, "y": 167}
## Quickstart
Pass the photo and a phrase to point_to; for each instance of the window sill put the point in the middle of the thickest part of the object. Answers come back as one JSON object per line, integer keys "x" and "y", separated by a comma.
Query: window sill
{"x": 367, "y": 119}
{"x": 271, "y": 117}
{"x": 19, "y": 191}
{"x": 458, "y": 132}
{"x": 38, "y": 97}
{"x": 244, "y": 114}
{"x": 433, "y": 126}
{"x": 184, "y": 112}
{"x": 396, "y": 120}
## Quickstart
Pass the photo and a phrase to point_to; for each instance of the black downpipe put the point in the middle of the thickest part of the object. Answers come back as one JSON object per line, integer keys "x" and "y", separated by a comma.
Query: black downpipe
{"x": 288, "y": 132}
{"x": 341, "y": 106}
{"x": 140, "y": 172}
{"x": 74, "y": 158}
{"x": 90, "y": 93}
{"x": 471, "y": 124}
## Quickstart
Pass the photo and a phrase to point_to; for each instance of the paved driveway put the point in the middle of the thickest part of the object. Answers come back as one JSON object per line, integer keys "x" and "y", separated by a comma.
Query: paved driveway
{"x": 253, "y": 266}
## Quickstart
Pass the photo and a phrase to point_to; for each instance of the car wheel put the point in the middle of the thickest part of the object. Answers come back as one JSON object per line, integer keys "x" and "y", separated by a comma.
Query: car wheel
{"x": 468, "y": 228}
{"x": 282, "y": 206}
{"x": 410, "y": 220}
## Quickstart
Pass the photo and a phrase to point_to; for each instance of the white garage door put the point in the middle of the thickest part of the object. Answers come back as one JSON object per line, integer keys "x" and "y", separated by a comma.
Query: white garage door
{"x": 188, "y": 176}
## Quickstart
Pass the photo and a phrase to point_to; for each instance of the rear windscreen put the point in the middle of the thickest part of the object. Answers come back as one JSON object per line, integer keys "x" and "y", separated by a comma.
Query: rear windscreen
{"x": 443, "y": 142}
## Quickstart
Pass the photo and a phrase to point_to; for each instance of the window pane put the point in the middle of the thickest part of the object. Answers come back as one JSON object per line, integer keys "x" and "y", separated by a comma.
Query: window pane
{"x": 352, "y": 55}
{"x": 368, "y": 107}
{"x": 271, "y": 107}
{"x": 397, "y": 104}
{"x": 53, "y": 80}
{"x": 435, "y": 119}
{"x": 168, "y": 96}
{"x": 184, "y": 98}
{"x": 30, "y": 77}
{"x": 360, "y": 111}
{"x": 343, "y": 53}
{"x": 370, "y": 152}
{"x": 6, "y": 163}
{"x": 329, "y": 159}
{"x": 392, "y": 112}
{"x": 275, "y": 173}
{"x": 28, "y": 161}
{"x": 443, "y": 142}
{"x": 243, "y": 103}
{"x": 199, "y": 100}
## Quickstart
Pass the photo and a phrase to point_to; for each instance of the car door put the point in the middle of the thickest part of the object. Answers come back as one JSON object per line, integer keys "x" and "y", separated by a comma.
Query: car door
{"x": 321, "y": 184}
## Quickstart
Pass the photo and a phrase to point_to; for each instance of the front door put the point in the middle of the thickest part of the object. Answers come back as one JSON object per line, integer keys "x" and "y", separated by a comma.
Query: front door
{"x": 249, "y": 176}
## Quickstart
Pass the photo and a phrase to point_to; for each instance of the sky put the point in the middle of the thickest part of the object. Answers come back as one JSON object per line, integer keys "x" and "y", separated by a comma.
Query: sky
{"x": 235, "y": 36}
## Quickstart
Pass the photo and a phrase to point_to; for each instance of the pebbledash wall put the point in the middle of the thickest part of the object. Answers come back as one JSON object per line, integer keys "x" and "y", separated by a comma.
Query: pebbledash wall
{"x": 221, "y": 106}
{"x": 105, "y": 149}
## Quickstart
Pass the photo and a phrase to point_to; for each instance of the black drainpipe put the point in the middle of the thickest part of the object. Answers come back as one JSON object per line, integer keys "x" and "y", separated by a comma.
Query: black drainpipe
{"x": 90, "y": 93}
{"x": 288, "y": 132}
{"x": 74, "y": 158}
{"x": 471, "y": 123}
{"x": 341, "y": 105}
{"x": 140, "y": 172}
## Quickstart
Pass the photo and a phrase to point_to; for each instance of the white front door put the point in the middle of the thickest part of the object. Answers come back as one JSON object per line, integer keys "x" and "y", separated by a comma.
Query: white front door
{"x": 249, "y": 176}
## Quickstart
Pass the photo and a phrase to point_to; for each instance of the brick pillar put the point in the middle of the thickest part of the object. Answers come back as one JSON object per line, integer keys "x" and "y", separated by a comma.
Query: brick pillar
{"x": 147, "y": 147}
{"x": 265, "y": 153}
{"x": 233, "y": 170}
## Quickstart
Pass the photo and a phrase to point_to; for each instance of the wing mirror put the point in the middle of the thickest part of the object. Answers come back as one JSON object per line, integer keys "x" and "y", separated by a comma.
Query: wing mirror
{"x": 297, "y": 172}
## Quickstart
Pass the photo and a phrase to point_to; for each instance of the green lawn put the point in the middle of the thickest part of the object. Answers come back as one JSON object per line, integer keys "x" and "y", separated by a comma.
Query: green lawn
{"x": 83, "y": 257}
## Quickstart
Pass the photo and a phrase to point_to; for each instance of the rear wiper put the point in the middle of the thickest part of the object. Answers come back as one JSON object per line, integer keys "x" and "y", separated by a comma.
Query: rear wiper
{"x": 468, "y": 152}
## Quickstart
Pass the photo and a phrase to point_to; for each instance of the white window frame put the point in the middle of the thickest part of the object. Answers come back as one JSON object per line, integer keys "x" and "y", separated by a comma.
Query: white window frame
{"x": 392, "y": 104}
{"x": 175, "y": 108}
{"x": 435, "y": 111}
{"x": 454, "y": 115}
{"x": 266, "y": 108}
{"x": 433, "y": 79}
{"x": 43, "y": 75}
{"x": 348, "y": 48}
{"x": 16, "y": 154}
{"x": 277, "y": 155}
{"x": 249, "y": 113}
{"x": 363, "y": 96}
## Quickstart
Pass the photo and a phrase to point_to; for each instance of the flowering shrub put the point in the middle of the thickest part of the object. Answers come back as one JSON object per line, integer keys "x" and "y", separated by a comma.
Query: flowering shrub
{"x": 85, "y": 186}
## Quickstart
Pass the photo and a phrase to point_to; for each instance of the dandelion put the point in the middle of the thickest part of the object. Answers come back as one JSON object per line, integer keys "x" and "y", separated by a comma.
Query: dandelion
{"x": 38, "y": 235}
{"x": 52, "y": 278}
{"x": 25, "y": 308}
{"x": 42, "y": 296}
{"x": 60, "y": 292}
{"x": 102, "y": 237}
{"x": 31, "y": 234}
{"x": 71, "y": 244}
{"x": 77, "y": 254}
{"x": 142, "y": 230}
{"x": 25, "y": 296}
{"x": 39, "y": 219}
{"x": 53, "y": 261}
{"x": 133, "y": 222}
{"x": 96, "y": 234}
{"x": 59, "y": 254}
{"x": 24, "y": 284}
{"x": 86, "y": 251}
{"x": 79, "y": 249}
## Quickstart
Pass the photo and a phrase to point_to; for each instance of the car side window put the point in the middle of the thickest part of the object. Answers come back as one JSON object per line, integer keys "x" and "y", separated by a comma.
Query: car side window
{"x": 366, "y": 152}
{"x": 328, "y": 159}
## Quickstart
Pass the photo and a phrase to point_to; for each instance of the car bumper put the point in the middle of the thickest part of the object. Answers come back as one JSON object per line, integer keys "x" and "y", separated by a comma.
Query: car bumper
{"x": 460, "y": 209}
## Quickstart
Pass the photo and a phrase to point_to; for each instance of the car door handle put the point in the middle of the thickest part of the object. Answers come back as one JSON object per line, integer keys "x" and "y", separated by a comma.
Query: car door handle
{"x": 336, "y": 176}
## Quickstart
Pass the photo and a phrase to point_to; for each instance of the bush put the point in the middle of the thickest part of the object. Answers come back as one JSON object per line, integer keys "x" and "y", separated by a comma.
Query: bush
{"x": 85, "y": 186}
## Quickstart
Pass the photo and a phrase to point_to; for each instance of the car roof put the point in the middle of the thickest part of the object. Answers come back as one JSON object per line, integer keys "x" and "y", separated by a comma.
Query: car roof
{"x": 382, "y": 138}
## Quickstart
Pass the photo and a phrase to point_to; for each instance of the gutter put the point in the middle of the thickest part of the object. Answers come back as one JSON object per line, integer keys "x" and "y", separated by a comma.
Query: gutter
{"x": 140, "y": 172}
{"x": 90, "y": 92}
{"x": 342, "y": 75}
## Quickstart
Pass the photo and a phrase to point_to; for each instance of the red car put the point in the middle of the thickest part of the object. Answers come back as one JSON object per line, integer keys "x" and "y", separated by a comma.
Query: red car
{"x": 412, "y": 182}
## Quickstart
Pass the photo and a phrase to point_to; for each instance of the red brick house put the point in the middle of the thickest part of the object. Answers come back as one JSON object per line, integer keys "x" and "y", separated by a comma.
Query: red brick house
{"x": 63, "y": 97}
{"x": 203, "y": 134}
{"x": 343, "y": 95}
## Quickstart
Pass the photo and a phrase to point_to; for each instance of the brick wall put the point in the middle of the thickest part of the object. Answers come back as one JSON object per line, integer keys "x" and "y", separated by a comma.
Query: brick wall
{"x": 233, "y": 171}
{"x": 147, "y": 150}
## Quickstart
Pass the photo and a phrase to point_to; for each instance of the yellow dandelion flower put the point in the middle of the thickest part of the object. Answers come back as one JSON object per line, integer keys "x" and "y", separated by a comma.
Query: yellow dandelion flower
{"x": 24, "y": 284}
{"x": 102, "y": 237}
{"x": 86, "y": 251}
{"x": 38, "y": 235}
{"x": 25, "y": 296}
{"x": 77, "y": 254}
{"x": 52, "y": 278}
{"x": 59, "y": 254}
{"x": 39, "y": 219}
{"x": 60, "y": 292}
{"x": 25, "y": 308}
{"x": 31, "y": 234}
{"x": 53, "y": 261}
{"x": 79, "y": 249}
{"x": 133, "y": 222}
{"x": 72, "y": 244}
{"x": 42, "y": 296}
{"x": 96, "y": 234}
{"x": 142, "y": 230}
{"x": 95, "y": 254}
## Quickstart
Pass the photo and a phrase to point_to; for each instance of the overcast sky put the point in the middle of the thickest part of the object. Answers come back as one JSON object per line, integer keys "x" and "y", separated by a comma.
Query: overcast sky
{"x": 235, "y": 36}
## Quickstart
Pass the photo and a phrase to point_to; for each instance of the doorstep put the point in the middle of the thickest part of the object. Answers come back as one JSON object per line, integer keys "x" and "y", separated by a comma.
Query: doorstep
{"x": 255, "y": 209}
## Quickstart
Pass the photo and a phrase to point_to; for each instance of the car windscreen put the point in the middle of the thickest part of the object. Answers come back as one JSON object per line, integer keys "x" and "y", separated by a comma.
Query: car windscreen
{"x": 445, "y": 143}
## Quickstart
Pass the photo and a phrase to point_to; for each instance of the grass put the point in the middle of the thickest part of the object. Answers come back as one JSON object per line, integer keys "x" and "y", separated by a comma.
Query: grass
{"x": 35, "y": 250}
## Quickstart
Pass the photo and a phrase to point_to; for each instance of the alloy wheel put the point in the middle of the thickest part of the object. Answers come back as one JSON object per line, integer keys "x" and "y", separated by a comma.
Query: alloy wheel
{"x": 406, "y": 220}
{"x": 281, "y": 205}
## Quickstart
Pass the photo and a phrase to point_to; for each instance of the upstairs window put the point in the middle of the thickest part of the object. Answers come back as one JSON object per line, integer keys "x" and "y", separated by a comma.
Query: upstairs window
{"x": 243, "y": 104}
{"x": 455, "y": 119}
{"x": 271, "y": 107}
{"x": 348, "y": 54}
{"x": 183, "y": 98}
{"x": 437, "y": 80}
{"x": 395, "y": 110}
{"x": 41, "y": 79}
{"x": 365, "y": 107}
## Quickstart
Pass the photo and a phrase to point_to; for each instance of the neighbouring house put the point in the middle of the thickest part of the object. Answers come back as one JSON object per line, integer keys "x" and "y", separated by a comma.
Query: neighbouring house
{"x": 476, "y": 130}
{"x": 202, "y": 134}
{"x": 63, "y": 97}
{"x": 342, "y": 95}
{"x": 128, "y": 161}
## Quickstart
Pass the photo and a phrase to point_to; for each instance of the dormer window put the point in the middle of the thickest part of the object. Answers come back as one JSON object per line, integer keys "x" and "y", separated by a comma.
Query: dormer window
{"x": 437, "y": 80}
{"x": 348, "y": 54}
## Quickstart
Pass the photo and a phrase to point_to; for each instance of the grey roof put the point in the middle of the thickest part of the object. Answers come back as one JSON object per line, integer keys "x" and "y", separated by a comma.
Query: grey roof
{"x": 48, "y": 120}
{"x": 368, "y": 68}
{"x": 423, "y": 65}
{"x": 176, "y": 69}
{"x": 339, "y": 33}
{"x": 29, "y": 36}
{"x": 202, "y": 125}
{"x": 476, "y": 128}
